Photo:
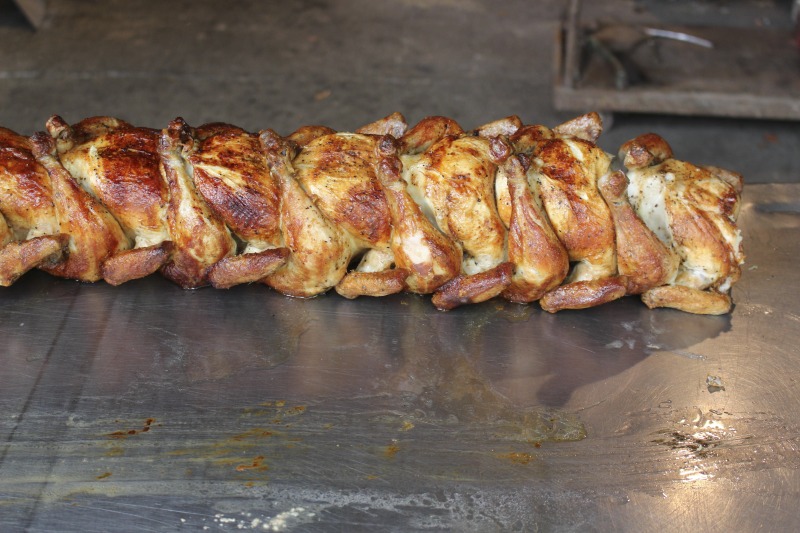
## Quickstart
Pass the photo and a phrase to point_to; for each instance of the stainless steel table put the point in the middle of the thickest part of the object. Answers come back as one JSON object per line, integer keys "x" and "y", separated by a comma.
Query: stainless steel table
{"x": 149, "y": 408}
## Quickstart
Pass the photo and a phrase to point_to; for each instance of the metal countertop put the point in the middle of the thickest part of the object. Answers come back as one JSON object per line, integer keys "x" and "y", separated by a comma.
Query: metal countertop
{"x": 148, "y": 408}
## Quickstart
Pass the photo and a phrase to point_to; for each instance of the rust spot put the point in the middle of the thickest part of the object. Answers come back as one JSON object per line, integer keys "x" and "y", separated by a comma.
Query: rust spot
{"x": 520, "y": 458}
{"x": 103, "y": 475}
{"x": 391, "y": 450}
{"x": 252, "y": 433}
{"x": 121, "y": 434}
{"x": 257, "y": 465}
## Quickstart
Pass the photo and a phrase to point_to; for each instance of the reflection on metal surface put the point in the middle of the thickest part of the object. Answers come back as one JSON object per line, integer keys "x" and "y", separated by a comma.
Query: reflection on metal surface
{"x": 240, "y": 408}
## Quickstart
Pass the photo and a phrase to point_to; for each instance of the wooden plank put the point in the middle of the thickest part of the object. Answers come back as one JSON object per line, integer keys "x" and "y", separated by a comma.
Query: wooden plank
{"x": 750, "y": 73}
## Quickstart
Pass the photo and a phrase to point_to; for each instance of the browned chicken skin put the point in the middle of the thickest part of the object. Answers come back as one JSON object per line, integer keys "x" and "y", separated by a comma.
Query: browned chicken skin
{"x": 452, "y": 174}
{"x": 29, "y": 229}
{"x": 566, "y": 164}
{"x": 199, "y": 237}
{"x": 502, "y": 210}
{"x": 693, "y": 211}
{"x": 118, "y": 164}
{"x": 232, "y": 176}
{"x": 94, "y": 234}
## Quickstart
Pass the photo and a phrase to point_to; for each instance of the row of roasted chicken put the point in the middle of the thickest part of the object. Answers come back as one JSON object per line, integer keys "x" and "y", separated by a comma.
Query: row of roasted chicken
{"x": 524, "y": 212}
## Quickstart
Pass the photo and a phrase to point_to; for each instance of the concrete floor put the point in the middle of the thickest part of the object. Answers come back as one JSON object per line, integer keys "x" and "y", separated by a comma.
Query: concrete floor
{"x": 344, "y": 63}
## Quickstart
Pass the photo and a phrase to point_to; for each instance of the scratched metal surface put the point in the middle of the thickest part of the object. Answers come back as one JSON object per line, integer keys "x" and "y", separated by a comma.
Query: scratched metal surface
{"x": 148, "y": 408}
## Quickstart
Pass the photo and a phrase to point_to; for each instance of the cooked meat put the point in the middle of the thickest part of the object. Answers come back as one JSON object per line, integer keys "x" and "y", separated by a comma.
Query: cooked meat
{"x": 524, "y": 212}
{"x": 693, "y": 211}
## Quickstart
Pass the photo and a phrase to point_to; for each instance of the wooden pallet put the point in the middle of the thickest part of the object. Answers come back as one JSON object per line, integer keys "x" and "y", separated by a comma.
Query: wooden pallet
{"x": 749, "y": 73}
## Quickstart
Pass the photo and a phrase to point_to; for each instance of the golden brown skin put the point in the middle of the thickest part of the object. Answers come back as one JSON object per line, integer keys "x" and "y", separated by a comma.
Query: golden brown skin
{"x": 339, "y": 173}
{"x": 394, "y": 125}
{"x": 18, "y": 257}
{"x": 28, "y": 223}
{"x": 119, "y": 165}
{"x": 25, "y": 192}
{"x": 693, "y": 211}
{"x": 540, "y": 260}
{"x": 427, "y": 256}
{"x": 319, "y": 250}
{"x": 305, "y": 134}
{"x": 453, "y": 178}
{"x": 200, "y": 239}
{"x": 460, "y": 214}
{"x": 567, "y": 164}
{"x": 232, "y": 177}
{"x": 94, "y": 235}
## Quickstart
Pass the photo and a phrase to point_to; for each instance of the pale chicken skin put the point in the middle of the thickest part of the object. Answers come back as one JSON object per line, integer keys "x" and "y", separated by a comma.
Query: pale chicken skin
{"x": 693, "y": 211}
{"x": 118, "y": 164}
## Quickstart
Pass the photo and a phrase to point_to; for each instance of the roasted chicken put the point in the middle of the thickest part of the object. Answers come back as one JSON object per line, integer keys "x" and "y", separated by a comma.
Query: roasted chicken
{"x": 693, "y": 211}
{"x": 524, "y": 212}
